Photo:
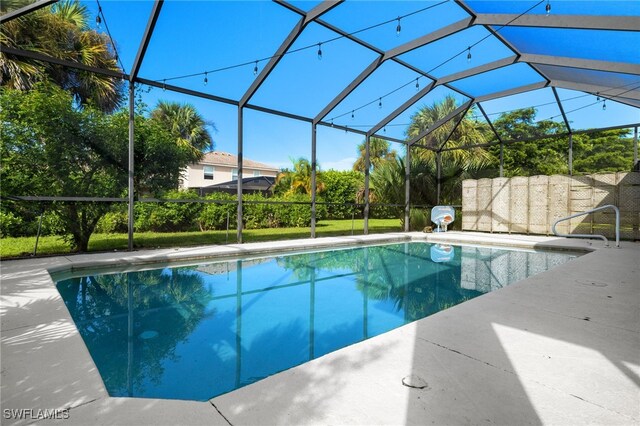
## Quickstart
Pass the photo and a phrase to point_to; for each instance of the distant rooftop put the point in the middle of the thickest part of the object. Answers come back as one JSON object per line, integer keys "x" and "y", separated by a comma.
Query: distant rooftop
{"x": 219, "y": 158}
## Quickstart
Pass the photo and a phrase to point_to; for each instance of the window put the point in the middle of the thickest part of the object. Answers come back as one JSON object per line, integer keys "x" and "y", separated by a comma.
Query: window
{"x": 234, "y": 174}
{"x": 208, "y": 172}
{"x": 256, "y": 173}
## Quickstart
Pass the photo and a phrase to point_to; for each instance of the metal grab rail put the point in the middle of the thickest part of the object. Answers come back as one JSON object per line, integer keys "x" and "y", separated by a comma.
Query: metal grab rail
{"x": 606, "y": 242}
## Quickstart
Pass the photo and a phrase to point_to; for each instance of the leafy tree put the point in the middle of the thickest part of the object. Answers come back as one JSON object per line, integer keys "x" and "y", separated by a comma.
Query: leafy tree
{"x": 379, "y": 150}
{"x": 61, "y": 31}
{"x": 341, "y": 187}
{"x": 606, "y": 151}
{"x": 544, "y": 156}
{"x": 50, "y": 147}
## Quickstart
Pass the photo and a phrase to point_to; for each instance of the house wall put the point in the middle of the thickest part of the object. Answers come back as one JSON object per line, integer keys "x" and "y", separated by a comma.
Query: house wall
{"x": 193, "y": 176}
{"x": 532, "y": 204}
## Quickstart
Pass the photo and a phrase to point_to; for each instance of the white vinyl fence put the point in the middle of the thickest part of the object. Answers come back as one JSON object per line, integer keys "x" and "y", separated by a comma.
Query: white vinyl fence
{"x": 530, "y": 205}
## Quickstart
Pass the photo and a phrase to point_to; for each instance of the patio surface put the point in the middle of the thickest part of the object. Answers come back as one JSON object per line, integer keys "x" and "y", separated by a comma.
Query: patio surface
{"x": 561, "y": 347}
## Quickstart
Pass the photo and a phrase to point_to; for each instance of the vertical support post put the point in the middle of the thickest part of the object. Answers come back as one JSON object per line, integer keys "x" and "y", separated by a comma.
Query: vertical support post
{"x": 407, "y": 188}
{"x": 570, "y": 154}
{"x": 367, "y": 167}
{"x": 313, "y": 180}
{"x": 131, "y": 165}
{"x": 501, "y": 158}
{"x": 238, "y": 322}
{"x": 635, "y": 148}
{"x": 438, "y": 173}
{"x": 129, "y": 335}
{"x": 240, "y": 144}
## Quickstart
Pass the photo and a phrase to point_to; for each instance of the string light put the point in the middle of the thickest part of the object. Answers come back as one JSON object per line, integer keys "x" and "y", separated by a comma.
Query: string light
{"x": 398, "y": 28}
{"x": 164, "y": 85}
{"x": 255, "y": 69}
{"x": 352, "y": 114}
{"x": 597, "y": 96}
{"x": 206, "y": 80}
{"x": 319, "y": 51}
{"x": 548, "y": 8}
{"x": 469, "y": 54}
{"x": 380, "y": 103}
{"x": 98, "y": 18}
{"x": 604, "y": 105}
{"x": 384, "y": 129}
{"x": 417, "y": 84}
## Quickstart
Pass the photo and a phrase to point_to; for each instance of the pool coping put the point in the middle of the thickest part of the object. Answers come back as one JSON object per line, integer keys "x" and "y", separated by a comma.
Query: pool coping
{"x": 86, "y": 394}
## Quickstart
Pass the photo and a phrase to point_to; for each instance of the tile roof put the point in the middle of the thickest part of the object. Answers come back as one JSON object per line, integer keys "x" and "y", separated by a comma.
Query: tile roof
{"x": 219, "y": 158}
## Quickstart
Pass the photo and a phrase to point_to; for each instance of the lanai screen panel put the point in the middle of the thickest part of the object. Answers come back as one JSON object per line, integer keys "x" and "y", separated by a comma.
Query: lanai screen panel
{"x": 585, "y": 111}
{"x": 450, "y": 55}
{"x": 304, "y": 84}
{"x": 204, "y": 36}
{"x": 501, "y": 79}
{"x": 424, "y": 17}
{"x": 376, "y": 97}
{"x": 126, "y": 21}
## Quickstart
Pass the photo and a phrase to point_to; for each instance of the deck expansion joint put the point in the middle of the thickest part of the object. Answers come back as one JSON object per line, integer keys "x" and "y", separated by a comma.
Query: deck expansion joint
{"x": 220, "y": 412}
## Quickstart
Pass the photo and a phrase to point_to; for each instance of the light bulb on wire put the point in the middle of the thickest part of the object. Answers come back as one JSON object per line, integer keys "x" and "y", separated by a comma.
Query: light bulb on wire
{"x": 164, "y": 85}
{"x": 98, "y": 18}
{"x": 255, "y": 69}
{"x": 353, "y": 114}
{"x": 398, "y": 28}
{"x": 469, "y": 54}
{"x": 206, "y": 80}
{"x": 417, "y": 85}
{"x": 380, "y": 103}
{"x": 604, "y": 105}
{"x": 547, "y": 8}
{"x": 319, "y": 51}
{"x": 597, "y": 96}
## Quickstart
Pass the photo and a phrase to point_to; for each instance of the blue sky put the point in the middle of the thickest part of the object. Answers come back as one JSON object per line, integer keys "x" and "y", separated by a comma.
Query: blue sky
{"x": 193, "y": 37}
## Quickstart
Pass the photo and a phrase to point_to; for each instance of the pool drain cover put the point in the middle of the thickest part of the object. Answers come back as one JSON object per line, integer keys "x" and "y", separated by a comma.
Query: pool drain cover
{"x": 413, "y": 381}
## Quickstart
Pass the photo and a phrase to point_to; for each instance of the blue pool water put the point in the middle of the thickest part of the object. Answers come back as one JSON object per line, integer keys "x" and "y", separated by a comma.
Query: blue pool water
{"x": 199, "y": 331}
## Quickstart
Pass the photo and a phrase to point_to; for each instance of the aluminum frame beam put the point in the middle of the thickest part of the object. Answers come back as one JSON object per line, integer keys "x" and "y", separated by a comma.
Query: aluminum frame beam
{"x": 462, "y": 115}
{"x": 146, "y": 38}
{"x": 402, "y": 108}
{"x": 587, "y": 64}
{"x": 582, "y": 22}
{"x": 564, "y": 116}
{"x": 295, "y": 32}
{"x": 25, "y": 10}
{"x": 440, "y": 122}
{"x": 612, "y": 93}
{"x": 514, "y": 91}
{"x": 50, "y": 59}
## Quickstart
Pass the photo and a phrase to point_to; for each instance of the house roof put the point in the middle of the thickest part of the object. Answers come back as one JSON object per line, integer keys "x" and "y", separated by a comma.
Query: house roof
{"x": 254, "y": 183}
{"x": 219, "y": 158}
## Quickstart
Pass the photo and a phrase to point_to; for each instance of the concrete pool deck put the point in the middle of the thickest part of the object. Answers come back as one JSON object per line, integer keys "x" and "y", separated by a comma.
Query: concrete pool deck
{"x": 561, "y": 347}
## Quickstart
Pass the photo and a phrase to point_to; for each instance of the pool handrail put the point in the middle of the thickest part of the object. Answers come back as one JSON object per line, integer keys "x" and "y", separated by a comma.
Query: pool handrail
{"x": 606, "y": 241}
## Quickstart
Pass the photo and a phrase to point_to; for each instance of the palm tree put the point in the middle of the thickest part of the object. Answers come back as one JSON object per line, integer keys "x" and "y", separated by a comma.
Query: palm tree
{"x": 300, "y": 178}
{"x": 186, "y": 125}
{"x": 468, "y": 132}
{"x": 378, "y": 151}
{"x": 61, "y": 31}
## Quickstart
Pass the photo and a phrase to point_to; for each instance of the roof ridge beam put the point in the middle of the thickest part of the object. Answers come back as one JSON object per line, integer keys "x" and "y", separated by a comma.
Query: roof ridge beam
{"x": 616, "y": 94}
{"x": 514, "y": 91}
{"x": 582, "y": 22}
{"x": 25, "y": 10}
{"x": 588, "y": 64}
{"x": 442, "y": 121}
{"x": 308, "y": 17}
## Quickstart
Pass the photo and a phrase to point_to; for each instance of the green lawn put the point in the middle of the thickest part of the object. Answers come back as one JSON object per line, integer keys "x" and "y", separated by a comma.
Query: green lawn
{"x": 23, "y": 246}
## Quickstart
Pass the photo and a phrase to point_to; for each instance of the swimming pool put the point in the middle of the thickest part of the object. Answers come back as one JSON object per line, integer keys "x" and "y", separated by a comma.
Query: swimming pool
{"x": 195, "y": 332}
